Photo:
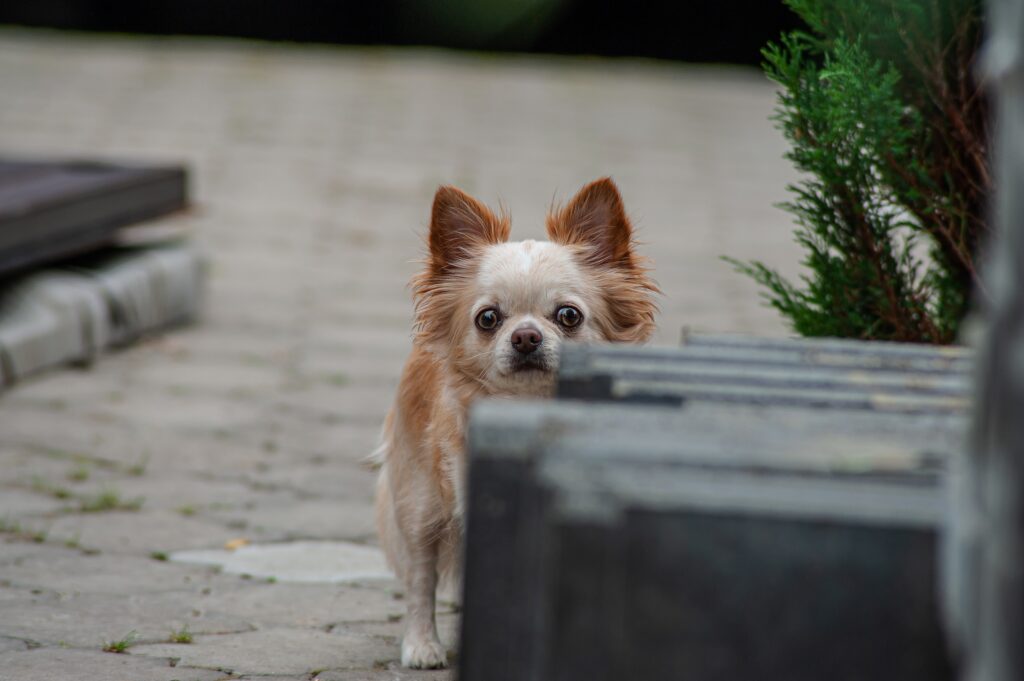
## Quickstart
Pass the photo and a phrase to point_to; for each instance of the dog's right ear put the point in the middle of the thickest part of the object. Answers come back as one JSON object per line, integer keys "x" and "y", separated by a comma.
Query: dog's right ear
{"x": 459, "y": 226}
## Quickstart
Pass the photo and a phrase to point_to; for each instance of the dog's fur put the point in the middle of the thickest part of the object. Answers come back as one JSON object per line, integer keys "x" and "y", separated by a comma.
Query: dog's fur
{"x": 589, "y": 263}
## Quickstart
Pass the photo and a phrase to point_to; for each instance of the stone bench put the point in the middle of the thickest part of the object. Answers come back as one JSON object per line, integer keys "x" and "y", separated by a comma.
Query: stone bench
{"x": 733, "y": 529}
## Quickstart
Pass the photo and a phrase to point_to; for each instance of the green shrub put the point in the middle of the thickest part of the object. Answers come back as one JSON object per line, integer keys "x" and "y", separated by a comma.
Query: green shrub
{"x": 889, "y": 130}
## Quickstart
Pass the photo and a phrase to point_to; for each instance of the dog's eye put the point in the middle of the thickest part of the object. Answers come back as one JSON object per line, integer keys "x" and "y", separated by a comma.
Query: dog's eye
{"x": 568, "y": 316}
{"x": 488, "y": 319}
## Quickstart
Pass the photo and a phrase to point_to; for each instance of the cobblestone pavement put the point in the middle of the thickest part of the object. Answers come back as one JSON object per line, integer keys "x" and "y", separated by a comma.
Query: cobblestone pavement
{"x": 313, "y": 170}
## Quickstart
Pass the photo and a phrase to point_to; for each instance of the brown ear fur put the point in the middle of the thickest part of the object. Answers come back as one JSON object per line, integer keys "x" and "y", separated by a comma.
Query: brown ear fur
{"x": 460, "y": 226}
{"x": 596, "y": 224}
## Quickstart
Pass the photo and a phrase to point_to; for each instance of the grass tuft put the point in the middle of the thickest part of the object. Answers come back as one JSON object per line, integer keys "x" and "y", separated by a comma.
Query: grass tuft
{"x": 121, "y": 646}
{"x": 43, "y": 487}
{"x": 78, "y": 474}
{"x": 183, "y": 635}
{"x": 109, "y": 500}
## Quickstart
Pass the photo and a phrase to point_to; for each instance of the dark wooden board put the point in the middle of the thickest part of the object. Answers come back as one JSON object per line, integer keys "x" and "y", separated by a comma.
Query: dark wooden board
{"x": 51, "y": 210}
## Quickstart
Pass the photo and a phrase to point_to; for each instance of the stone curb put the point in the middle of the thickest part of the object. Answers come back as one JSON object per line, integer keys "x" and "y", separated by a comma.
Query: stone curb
{"x": 71, "y": 315}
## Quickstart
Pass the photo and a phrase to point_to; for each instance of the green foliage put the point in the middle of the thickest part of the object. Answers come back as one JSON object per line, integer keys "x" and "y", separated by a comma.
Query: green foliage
{"x": 888, "y": 131}
{"x": 182, "y": 635}
{"x": 121, "y": 646}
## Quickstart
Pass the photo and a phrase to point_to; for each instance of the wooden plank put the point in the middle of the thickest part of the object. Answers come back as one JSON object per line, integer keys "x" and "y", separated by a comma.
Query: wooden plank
{"x": 54, "y": 210}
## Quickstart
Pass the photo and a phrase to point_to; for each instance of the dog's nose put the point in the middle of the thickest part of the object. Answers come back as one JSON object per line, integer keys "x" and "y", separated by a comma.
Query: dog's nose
{"x": 526, "y": 339}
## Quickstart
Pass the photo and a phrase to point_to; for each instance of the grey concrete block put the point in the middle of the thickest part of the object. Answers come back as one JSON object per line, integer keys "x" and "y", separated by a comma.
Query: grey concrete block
{"x": 818, "y": 374}
{"x": 81, "y": 301}
{"x": 35, "y": 335}
{"x": 58, "y": 317}
{"x": 149, "y": 289}
{"x": 710, "y": 542}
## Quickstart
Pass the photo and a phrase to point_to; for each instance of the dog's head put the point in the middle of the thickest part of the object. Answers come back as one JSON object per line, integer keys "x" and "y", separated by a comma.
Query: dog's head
{"x": 498, "y": 311}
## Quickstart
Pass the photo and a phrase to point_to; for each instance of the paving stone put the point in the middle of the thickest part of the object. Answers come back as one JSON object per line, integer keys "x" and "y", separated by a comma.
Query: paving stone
{"x": 342, "y": 480}
{"x": 307, "y": 605}
{"x": 211, "y": 377}
{"x": 19, "y": 467}
{"x": 18, "y": 502}
{"x": 277, "y": 651}
{"x": 306, "y": 519}
{"x": 69, "y": 572}
{"x": 298, "y": 561}
{"x": 394, "y": 628}
{"x": 10, "y": 645}
{"x": 392, "y": 673}
{"x": 190, "y": 495}
{"x": 140, "y": 532}
{"x": 92, "y": 620}
{"x": 88, "y": 665}
{"x": 323, "y": 401}
{"x": 175, "y": 410}
{"x": 14, "y": 551}
{"x": 322, "y": 444}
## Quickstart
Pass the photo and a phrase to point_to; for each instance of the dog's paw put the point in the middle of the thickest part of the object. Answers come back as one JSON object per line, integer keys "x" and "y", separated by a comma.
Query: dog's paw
{"x": 423, "y": 654}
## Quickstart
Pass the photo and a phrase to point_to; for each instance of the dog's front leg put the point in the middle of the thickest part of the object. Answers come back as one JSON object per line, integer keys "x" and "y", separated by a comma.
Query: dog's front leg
{"x": 421, "y": 647}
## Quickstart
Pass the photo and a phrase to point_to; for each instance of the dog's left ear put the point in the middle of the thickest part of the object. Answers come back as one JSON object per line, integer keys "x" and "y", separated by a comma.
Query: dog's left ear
{"x": 595, "y": 218}
{"x": 595, "y": 222}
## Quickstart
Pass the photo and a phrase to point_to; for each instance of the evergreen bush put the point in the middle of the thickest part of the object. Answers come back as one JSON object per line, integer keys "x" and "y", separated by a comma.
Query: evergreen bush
{"x": 889, "y": 129}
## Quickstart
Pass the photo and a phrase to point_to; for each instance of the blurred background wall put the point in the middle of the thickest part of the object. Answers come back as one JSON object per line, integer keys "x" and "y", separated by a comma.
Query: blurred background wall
{"x": 697, "y": 31}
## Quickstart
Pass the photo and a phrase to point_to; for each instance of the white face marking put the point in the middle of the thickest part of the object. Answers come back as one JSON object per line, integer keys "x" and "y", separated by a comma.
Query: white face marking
{"x": 526, "y": 282}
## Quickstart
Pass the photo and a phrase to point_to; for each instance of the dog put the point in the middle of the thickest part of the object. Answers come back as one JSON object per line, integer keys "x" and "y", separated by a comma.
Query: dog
{"x": 490, "y": 317}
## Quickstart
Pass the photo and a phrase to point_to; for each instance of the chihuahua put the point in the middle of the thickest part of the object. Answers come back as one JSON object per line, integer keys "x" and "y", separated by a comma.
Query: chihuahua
{"x": 490, "y": 317}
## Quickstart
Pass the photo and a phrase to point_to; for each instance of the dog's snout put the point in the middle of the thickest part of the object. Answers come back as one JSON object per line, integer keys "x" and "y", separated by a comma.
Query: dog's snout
{"x": 526, "y": 339}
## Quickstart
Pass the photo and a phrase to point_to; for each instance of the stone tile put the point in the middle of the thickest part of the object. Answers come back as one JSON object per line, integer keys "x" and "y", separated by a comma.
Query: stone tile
{"x": 392, "y": 629}
{"x": 90, "y": 665}
{"x": 15, "y": 550}
{"x": 306, "y": 605}
{"x": 20, "y": 467}
{"x": 392, "y": 673}
{"x": 327, "y": 518}
{"x": 15, "y": 503}
{"x": 92, "y": 620}
{"x": 188, "y": 494}
{"x": 11, "y": 645}
{"x": 140, "y": 532}
{"x": 277, "y": 651}
{"x": 307, "y": 562}
{"x": 342, "y": 481}
{"x": 67, "y": 571}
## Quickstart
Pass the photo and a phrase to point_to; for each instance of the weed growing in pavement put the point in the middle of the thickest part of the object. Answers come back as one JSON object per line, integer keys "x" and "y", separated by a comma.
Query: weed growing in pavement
{"x": 121, "y": 646}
